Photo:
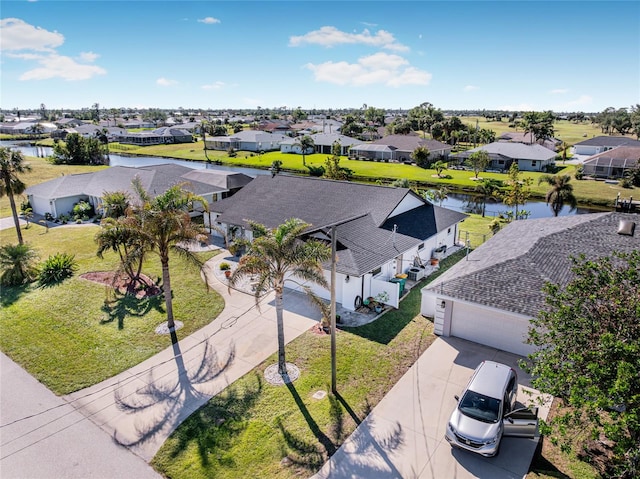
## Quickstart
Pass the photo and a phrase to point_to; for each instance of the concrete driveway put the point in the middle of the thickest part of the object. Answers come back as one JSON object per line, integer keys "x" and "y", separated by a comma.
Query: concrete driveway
{"x": 403, "y": 437}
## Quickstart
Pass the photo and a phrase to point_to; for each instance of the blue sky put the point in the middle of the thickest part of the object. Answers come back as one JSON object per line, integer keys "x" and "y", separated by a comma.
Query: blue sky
{"x": 563, "y": 56}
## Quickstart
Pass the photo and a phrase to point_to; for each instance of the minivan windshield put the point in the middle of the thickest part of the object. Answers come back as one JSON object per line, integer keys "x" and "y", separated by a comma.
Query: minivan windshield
{"x": 480, "y": 407}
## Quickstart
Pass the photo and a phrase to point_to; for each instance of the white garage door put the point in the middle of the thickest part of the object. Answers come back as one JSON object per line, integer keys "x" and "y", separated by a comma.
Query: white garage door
{"x": 493, "y": 328}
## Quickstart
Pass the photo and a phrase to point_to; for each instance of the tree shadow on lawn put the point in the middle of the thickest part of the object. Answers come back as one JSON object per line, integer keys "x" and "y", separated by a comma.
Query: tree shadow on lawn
{"x": 11, "y": 294}
{"x": 310, "y": 456}
{"x": 165, "y": 401}
{"x": 122, "y": 305}
{"x": 384, "y": 329}
{"x": 214, "y": 426}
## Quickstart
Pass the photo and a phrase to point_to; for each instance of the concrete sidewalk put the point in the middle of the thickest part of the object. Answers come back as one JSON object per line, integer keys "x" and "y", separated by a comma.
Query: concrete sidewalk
{"x": 142, "y": 406}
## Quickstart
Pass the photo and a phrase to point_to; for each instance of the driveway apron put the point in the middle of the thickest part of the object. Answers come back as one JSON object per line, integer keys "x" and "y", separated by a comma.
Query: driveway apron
{"x": 403, "y": 437}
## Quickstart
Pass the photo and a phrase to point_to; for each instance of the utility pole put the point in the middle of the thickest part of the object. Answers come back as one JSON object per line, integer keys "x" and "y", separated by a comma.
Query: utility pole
{"x": 333, "y": 310}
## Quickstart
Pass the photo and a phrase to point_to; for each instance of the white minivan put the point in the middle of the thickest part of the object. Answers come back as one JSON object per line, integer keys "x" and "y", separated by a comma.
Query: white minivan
{"x": 487, "y": 411}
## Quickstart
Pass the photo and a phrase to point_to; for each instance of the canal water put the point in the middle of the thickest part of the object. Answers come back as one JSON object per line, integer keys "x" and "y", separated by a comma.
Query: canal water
{"x": 463, "y": 202}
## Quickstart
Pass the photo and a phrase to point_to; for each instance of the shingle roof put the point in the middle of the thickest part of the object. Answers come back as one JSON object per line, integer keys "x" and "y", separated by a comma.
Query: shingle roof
{"x": 410, "y": 142}
{"x": 518, "y": 151}
{"x": 509, "y": 271}
{"x": 367, "y": 233}
{"x": 154, "y": 179}
{"x": 622, "y": 157}
{"x": 611, "y": 141}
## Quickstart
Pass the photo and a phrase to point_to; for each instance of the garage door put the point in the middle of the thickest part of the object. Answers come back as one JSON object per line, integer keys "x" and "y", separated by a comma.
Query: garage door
{"x": 490, "y": 327}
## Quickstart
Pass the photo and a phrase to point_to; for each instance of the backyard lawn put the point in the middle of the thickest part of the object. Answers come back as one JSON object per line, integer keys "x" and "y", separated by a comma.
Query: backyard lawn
{"x": 79, "y": 333}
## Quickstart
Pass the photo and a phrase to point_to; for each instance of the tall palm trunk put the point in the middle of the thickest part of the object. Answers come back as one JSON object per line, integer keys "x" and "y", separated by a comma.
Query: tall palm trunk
{"x": 282, "y": 363}
{"x": 16, "y": 221}
{"x": 166, "y": 286}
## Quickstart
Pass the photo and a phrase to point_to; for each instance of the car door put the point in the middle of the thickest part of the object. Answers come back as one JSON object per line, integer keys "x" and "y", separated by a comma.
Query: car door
{"x": 521, "y": 422}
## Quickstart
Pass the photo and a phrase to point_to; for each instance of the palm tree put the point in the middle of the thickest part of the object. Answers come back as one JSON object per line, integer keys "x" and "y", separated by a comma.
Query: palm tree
{"x": 17, "y": 263}
{"x": 560, "y": 193}
{"x": 120, "y": 235}
{"x": 114, "y": 204}
{"x": 305, "y": 142}
{"x": 277, "y": 255}
{"x": 440, "y": 166}
{"x": 12, "y": 164}
{"x": 163, "y": 225}
{"x": 488, "y": 188}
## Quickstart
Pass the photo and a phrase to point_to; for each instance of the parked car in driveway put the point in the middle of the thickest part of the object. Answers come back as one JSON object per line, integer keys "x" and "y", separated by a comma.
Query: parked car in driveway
{"x": 487, "y": 410}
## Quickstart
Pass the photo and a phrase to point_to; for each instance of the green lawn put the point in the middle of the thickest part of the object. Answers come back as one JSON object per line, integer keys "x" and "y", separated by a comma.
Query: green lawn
{"x": 79, "y": 333}
{"x": 247, "y": 430}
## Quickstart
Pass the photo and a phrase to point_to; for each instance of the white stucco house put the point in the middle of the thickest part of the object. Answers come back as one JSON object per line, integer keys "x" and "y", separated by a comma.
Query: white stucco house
{"x": 490, "y": 297}
{"x": 599, "y": 144}
{"x": 380, "y": 231}
{"x": 502, "y": 154}
{"x": 58, "y": 196}
{"x": 247, "y": 140}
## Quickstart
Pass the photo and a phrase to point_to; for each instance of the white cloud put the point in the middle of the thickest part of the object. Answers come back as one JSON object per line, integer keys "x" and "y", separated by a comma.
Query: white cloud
{"x": 582, "y": 100}
{"x": 16, "y": 34}
{"x": 471, "y": 88}
{"x": 208, "y": 20}
{"x": 520, "y": 107}
{"x": 165, "y": 82}
{"x": 89, "y": 57}
{"x": 57, "y": 66}
{"x": 331, "y": 36}
{"x": 380, "y": 68}
{"x": 213, "y": 86}
{"x": 559, "y": 91}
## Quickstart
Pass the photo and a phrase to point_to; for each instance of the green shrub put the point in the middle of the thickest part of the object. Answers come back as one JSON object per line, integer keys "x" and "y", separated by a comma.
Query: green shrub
{"x": 57, "y": 268}
{"x": 224, "y": 266}
{"x": 82, "y": 210}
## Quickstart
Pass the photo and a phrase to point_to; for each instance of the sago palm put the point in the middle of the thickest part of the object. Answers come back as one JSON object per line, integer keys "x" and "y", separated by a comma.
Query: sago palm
{"x": 279, "y": 255}
{"x": 17, "y": 263}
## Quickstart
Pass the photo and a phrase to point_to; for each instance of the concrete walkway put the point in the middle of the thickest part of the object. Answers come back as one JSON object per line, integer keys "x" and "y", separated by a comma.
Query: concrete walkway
{"x": 142, "y": 406}
{"x": 403, "y": 437}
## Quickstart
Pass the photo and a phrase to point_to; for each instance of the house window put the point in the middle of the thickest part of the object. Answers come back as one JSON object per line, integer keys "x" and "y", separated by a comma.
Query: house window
{"x": 449, "y": 231}
{"x": 501, "y": 162}
{"x": 420, "y": 246}
{"x": 533, "y": 162}
{"x": 376, "y": 271}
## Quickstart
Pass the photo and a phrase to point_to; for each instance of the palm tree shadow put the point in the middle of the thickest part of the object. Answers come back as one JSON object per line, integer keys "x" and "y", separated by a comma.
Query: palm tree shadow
{"x": 311, "y": 455}
{"x": 165, "y": 401}
{"x": 11, "y": 294}
{"x": 123, "y": 305}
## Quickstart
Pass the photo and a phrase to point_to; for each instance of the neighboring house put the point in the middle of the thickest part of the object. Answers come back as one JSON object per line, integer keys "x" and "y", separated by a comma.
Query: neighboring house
{"x": 90, "y": 131}
{"x": 612, "y": 163}
{"x": 68, "y": 122}
{"x": 503, "y": 154}
{"x": 27, "y": 127}
{"x": 58, "y": 196}
{"x": 282, "y": 127}
{"x": 247, "y": 140}
{"x": 398, "y": 148}
{"x": 491, "y": 297}
{"x": 598, "y": 144}
{"x": 135, "y": 123}
{"x": 380, "y": 231}
{"x": 552, "y": 144}
{"x": 322, "y": 143}
{"x": 159, "y": 136}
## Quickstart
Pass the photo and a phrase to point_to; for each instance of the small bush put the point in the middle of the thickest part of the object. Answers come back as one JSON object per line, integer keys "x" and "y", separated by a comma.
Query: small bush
{"x": 225, "y": 266}
{"x": 56, "y": 269}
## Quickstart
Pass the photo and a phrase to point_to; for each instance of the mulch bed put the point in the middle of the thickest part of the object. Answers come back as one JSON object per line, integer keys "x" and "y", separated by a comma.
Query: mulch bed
{"x": 142, "y": 288}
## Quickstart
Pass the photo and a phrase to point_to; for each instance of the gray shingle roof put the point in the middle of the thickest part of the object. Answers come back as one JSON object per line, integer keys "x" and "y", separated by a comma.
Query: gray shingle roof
{"x": 155, "y": 179}
{"x": 509, "y": 271}
{"x": 366, "y": 239}
{"x": 519, "y": 151}
{"x": 610, "y": 141}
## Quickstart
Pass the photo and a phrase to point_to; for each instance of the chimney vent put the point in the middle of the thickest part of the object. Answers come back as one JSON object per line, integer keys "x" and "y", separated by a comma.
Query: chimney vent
{"x": 626, "y": 227}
